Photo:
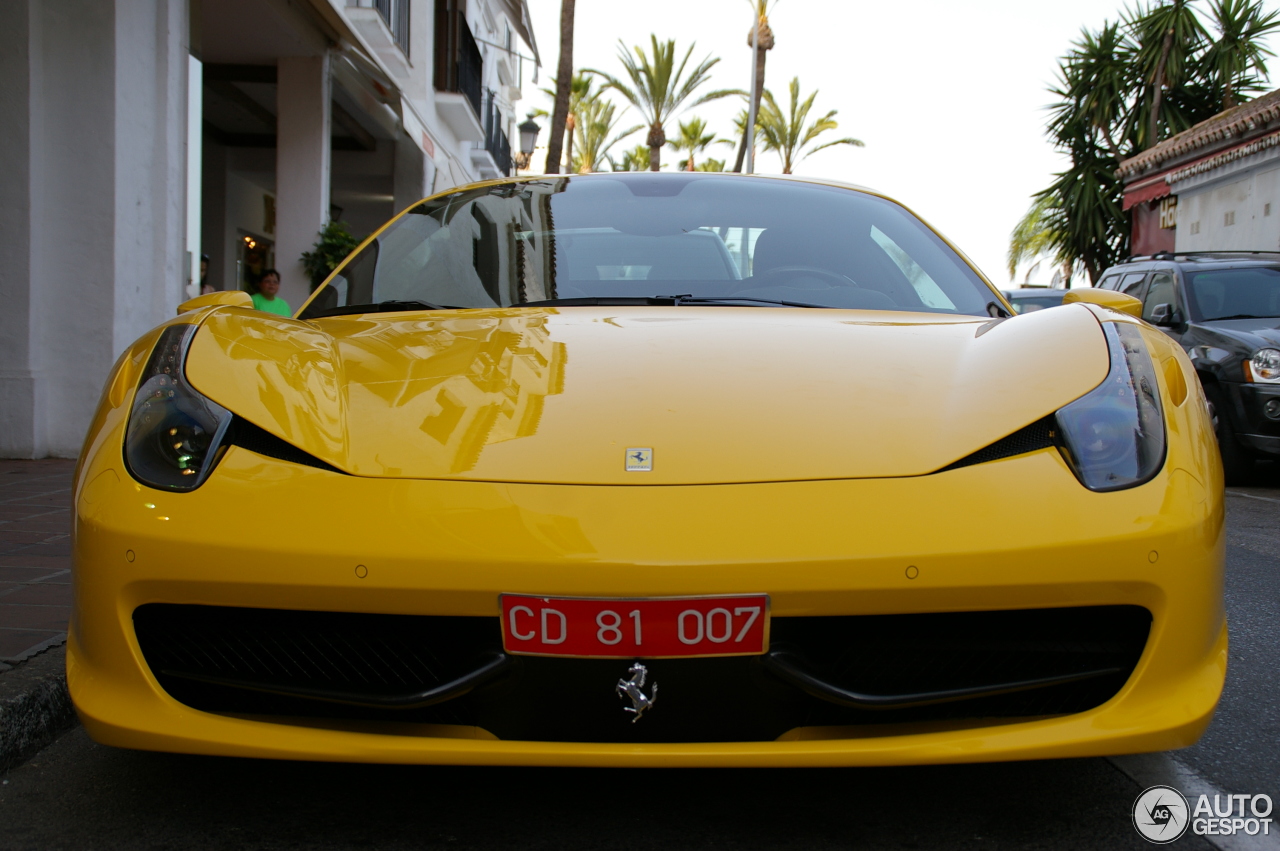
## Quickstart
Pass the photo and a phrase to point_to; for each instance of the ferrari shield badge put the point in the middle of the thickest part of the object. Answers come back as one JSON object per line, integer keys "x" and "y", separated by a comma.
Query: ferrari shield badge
{"x": 634, "y": 689}
{"x": 639, "y": 460}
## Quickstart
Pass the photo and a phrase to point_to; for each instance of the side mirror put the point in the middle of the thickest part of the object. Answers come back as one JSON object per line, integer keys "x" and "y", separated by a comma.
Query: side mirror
{"x": 1162, "y": 315}
{"x": 1105, "y": 298}
{"x": 235, "y": 298}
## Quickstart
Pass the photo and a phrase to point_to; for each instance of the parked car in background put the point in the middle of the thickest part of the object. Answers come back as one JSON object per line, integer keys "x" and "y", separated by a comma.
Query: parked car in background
{"x": 1028, "y": 299}
{"x": 1224, "y": 309}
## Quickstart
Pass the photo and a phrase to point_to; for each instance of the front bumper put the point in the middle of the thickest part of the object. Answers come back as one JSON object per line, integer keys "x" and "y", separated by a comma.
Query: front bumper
{"x": 1255, "y": 429}
{"x": 818, "y": 548}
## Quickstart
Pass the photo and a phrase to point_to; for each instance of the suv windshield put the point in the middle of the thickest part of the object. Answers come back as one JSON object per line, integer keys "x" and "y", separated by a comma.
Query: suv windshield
{"x": 735, "y": 239}
{"x": 1235, "y": 293}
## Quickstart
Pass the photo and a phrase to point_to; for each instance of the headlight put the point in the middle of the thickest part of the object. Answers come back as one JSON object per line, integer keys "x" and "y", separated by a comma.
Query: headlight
{"x": 1264, "y": 366}
{"x": 1114, "y": 435}
{"x": 174, "y": 432}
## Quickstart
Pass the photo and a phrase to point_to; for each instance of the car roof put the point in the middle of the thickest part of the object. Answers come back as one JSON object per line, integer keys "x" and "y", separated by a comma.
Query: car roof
{"x": 1205, "y": 260}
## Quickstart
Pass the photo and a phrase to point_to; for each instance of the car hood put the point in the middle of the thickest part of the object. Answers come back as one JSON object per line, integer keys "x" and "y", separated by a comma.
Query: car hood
{"x": 719, "y": 394}
{"x": 1248, "y": 334}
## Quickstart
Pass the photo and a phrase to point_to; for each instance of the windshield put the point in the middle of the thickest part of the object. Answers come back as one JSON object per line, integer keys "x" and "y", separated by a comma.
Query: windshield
{"x": 1028, "y": 304}
{"x": 1227, "y": 293}
{"x": 637, "y": 236}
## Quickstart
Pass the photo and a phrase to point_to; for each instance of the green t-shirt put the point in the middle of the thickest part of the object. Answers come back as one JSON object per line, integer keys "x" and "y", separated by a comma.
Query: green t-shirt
{"x": 272, "y": 305}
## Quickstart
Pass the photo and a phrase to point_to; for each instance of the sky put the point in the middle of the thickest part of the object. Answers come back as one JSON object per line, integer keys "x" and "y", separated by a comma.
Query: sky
{"x": 948, "y": 96}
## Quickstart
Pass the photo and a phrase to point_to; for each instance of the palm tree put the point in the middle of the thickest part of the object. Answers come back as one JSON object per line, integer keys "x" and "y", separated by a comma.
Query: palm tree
{"x": 710, "y": 165}
{"x": 597, "y": 119}
{"x": 1168, "y": 37}
{"x": 636, "y": 159}
{"x": 1119, "y": 91}
{"x": 1094, "y": 86}
{"x": 693, "y": 138}
{"x": 787, "y": 133}
{"x": 1036, "y": 235}
{"x": 580, "y": 91}
{"x": 564, "y": 77}
{"x": 1238, "y": 48}
{"x": 658, "y": 89}
{"x": 763, "y": 43}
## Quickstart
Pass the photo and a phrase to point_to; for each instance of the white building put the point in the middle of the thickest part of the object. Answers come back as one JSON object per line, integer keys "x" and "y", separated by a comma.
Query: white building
{"x": 144, "y": 133}
{"x": 1214, "y": 187}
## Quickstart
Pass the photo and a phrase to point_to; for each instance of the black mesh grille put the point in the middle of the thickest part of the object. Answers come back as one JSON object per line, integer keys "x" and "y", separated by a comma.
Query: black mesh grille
{"x": 244, "y": 433}
{"x": 1041, "y": 434}
{"x": 719, "y": 699}
{"x": 372, "y": 654}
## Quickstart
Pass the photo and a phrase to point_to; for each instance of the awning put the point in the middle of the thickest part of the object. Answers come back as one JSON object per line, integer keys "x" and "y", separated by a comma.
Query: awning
{"x": 1147, "y": 190}
{"x": 518, "y": 12}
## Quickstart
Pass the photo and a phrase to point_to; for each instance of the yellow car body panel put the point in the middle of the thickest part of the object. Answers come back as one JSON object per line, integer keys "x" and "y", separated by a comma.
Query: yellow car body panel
{"x": 834, "y": 547}
{"x": 558, "y": 396}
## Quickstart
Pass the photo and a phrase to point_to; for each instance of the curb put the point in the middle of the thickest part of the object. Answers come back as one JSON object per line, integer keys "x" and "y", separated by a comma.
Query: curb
{"x": 34, "y": 706}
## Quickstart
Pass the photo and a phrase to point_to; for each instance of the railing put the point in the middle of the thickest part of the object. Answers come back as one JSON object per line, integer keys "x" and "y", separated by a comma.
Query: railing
{"x": 396, "y": 15}
{"x": 495, "y": 139}
{"x": 470, "y": 67}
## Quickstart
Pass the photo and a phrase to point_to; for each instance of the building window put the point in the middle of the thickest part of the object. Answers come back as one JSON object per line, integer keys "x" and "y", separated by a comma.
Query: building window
{"x": 1229, "y": 218}
{"x": 1195, "y": 227}
{"x": 396, "y": 15}
{"x": 1266, "y": 209}
{"x": 496, "y": 141}
{"x": 458, "y": 64}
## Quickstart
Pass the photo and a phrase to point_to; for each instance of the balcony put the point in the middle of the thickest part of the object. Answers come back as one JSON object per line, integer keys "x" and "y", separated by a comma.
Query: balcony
{"x": 384, "y": 24}
{"x": 459, "y": 70}
{"x": 494, "y": 158}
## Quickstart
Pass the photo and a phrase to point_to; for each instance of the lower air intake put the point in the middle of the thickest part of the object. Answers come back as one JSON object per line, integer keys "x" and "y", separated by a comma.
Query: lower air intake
{"x": 292, "y": 664}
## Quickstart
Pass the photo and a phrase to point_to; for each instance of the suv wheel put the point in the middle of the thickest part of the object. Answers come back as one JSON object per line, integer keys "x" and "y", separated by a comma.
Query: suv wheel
{"x": 1237, "y": 465}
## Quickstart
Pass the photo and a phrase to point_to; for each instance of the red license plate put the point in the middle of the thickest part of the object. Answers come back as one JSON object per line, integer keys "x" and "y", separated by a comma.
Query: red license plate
{"x": 653, "y": 628}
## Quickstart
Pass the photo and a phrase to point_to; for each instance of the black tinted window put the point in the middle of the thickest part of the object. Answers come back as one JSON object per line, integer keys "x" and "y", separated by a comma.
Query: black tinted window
{"x": 1222, "y": 293}
{"x": 640, "y": 236}
{"x": 1131, "y": 284}
{"x": 1161, "y": 290}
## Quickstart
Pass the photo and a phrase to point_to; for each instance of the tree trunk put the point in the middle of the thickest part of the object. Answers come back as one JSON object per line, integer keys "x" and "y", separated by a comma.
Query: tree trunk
{"x": 1093, "y": 271}
{"x": 564, "y": 83}
{"x": 569, "y": 125}
{"x": 756, "y": 95}
{"x": 1157, "y": 97}
{"x": 657, "y": 138}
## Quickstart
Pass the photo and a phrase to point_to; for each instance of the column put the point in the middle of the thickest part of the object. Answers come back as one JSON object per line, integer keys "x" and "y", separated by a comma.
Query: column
{"x": 92, "y": 197}
{"x": 410, "y": 180}
{"x": 19, "y": 435}
{"x": 302, "y": 166}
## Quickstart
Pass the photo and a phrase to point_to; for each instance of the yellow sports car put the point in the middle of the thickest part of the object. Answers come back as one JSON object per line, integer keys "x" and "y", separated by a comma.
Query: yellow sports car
{"x": 651, "y": 469}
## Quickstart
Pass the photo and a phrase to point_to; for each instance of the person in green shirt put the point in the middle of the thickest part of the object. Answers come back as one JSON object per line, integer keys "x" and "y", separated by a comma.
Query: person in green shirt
{"x": 265, "y": 298}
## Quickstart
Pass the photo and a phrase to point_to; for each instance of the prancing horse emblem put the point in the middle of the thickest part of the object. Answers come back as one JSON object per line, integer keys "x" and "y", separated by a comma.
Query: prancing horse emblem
{"x": 634, "y": 689}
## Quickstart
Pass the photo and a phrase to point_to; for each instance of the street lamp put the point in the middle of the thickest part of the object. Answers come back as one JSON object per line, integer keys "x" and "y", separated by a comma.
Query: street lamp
{"x": 528, "y": 140}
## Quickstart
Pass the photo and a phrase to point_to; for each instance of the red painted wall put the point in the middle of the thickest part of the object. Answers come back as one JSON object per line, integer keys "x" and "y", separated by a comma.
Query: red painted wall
{"x": 1147, "y": 237}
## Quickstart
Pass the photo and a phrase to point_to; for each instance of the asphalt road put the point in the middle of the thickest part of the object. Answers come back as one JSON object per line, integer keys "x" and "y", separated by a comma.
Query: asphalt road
{"x": 76, "y": 794}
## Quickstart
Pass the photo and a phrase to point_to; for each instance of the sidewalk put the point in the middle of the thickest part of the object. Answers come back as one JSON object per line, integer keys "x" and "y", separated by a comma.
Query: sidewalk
{"x": 35, "y": 556}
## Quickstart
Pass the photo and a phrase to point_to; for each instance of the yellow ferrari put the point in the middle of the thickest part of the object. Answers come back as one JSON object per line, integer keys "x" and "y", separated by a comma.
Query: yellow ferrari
{"x": 651, "y": 470}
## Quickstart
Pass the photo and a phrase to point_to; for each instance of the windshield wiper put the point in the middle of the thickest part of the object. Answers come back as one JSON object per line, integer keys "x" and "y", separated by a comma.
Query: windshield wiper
{"x": 390, "y": 306}
{"x": 654, "y": 301}
{"x": 730, "y": 299}
{"x": 603, "y": 301}
{"x": 1238, "y": 316}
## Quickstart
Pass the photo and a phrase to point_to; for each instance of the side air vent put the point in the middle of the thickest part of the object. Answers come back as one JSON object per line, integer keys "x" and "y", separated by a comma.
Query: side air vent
{"x": 249, "y": 436}
{"x": 1041, "y": 434}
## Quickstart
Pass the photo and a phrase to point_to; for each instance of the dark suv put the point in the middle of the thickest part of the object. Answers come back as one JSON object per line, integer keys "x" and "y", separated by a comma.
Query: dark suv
{"x": 1224, "y": 308}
